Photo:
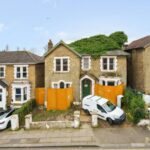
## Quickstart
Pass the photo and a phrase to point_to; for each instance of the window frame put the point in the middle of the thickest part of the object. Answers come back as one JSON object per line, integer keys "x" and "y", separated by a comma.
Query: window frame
{"x": 83, "y": 63}
{"x": 116, "y": 80}
{"x": 58, "y": 84}
{"x": 108, "y": 63}
{"x": 4, "y": 73}
{"x": 21, "y": 71}
{"x": 61, "y": 64}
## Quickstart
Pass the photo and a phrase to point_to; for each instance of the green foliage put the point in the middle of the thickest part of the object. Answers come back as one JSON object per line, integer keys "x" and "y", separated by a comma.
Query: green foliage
{"x": 120, "y": 37}
{"x": 24, "y": 110}
{"x": 134, "y": 104}
{"x": 99, "y": 44}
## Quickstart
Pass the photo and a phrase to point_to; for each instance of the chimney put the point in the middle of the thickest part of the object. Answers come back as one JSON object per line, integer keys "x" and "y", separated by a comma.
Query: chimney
{"x": 50, "y": 44}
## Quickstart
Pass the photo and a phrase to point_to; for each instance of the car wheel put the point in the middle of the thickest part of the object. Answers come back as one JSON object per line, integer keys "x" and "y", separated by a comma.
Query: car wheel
{"x": 86, "y": 111}
{"x": 9, "y": 124}
{"x": 109, "y": 120}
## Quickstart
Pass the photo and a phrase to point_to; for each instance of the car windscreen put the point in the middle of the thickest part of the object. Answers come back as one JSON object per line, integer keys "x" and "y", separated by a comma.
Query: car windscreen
{"x": 108, "y": 106}
{"x": 4, "y": 115}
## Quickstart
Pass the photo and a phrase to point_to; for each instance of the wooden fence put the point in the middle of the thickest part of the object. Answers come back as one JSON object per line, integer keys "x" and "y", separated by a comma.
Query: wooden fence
{"x": 109, "y": 92}
{"x": 57, "y": 99}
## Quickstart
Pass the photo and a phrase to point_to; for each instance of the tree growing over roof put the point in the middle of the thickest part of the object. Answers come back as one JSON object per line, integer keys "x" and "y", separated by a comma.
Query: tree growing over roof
{"x": 120, "y": 37}
{"x": 98, "y": 44}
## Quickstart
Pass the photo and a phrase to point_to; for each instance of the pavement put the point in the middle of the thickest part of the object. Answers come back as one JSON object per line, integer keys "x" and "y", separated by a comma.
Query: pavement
{"x": 86, "y": 137}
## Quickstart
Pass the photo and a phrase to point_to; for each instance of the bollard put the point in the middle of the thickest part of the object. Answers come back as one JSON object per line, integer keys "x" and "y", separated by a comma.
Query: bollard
{"x": 28, "y": 120}
{"x": 94, "y": 119}
{"x": 14, "y": 122}
{"x": 76, "y": 119}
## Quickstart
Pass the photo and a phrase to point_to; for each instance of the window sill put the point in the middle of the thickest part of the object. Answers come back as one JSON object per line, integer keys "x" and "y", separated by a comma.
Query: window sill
{"x": 61, "y": 72}
{"x": 17, "y": 102}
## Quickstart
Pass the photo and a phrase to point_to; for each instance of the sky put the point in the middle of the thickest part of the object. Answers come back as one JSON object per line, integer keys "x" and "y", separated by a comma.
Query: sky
{"x": 29, "y": 24}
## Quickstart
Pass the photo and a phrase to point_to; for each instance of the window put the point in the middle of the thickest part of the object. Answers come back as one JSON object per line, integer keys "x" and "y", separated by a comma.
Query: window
{"x": 108, "y": 63}
{"x": 18, "y": 94}
{"x": 2, "y": 71}
{"x": 21, "y": 71}
{"x": 109, "y": 81}
{"x": 86, "y": 63}
{"x": 61, "y": 64}
{"x": 61, "y": 84}
{"x": 21, "y": 93}
{"x": 100, "y": 108}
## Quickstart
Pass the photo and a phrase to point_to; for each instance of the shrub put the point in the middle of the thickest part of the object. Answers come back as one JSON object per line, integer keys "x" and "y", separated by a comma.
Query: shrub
{"x": 138, "y": 114}
{"x": 24, "y": 110}
{"x": 134, "y": 105}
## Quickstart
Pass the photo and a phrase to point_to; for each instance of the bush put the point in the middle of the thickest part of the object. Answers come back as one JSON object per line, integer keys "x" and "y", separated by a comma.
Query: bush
{"x": 134, "y": 105}
{"x": 138, "y": 114}
{"x": 24, "y": 110}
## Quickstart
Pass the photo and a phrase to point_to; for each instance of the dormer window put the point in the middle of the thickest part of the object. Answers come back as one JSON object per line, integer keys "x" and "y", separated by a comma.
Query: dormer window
{"x": 108, "y": 63}
{"x": 86, "y": 63}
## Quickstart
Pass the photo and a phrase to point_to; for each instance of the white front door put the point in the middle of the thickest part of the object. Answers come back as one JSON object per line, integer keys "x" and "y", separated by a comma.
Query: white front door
{"x": 2, "y": 97}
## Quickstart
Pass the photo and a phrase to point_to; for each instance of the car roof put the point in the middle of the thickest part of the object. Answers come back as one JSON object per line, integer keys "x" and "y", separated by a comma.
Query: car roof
{"x": 99, "y": 100}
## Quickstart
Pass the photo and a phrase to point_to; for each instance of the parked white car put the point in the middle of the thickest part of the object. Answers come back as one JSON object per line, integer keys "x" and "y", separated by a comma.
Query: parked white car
{"x": 104, "y": 109}
{"x": 5, "y": 118}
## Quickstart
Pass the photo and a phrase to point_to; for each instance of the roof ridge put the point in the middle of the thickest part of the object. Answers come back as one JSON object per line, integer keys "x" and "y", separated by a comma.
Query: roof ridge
{"x": 30, "y": 54}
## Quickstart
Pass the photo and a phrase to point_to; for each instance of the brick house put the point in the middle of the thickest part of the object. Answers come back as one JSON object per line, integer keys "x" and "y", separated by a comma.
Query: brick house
{"x": 20, "y": 73}
{"x": 65, "y": 67}
{"x": 139, "y": 64}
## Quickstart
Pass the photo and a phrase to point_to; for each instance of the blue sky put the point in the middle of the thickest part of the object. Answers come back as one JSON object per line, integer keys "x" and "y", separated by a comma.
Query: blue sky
{"x": 31, "y": 23}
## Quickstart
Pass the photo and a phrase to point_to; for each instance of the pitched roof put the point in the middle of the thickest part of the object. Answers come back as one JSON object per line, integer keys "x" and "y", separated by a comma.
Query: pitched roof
{"x": 116, "y": 53}
{"x": 17, "y": 57}
{"x": 140, "y": 43}
{"x": 64, "y": 44}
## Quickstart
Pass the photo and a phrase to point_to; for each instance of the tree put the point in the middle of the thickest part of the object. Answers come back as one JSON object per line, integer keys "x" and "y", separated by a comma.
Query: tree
{"x": 120, "y": 37}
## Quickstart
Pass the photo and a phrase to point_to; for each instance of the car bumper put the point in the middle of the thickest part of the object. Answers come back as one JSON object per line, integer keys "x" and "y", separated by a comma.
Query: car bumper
{"x": 120, "y": 120}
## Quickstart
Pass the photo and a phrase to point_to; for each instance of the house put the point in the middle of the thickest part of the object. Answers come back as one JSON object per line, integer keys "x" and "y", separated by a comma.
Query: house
{"x": 20, "y": 73}
{"x": 65, "y": 67}
{"x": 139, "y": 64}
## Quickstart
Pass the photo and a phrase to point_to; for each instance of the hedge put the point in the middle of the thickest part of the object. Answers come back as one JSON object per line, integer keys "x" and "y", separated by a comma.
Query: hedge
{"x": 25, "y": 109}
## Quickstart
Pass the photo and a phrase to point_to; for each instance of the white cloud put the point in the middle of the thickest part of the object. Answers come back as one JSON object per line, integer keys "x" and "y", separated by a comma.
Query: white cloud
{"x": 52, "y": 3}
{"x": 2, "y": 27}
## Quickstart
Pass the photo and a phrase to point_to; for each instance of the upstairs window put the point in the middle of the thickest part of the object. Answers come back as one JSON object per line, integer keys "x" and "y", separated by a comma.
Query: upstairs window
{"x": 86, "y": 63}
{"x": 21, "y": 71}
{"x": 61, "y": 64}
{"x": 2, "y": 71}
{"x": 108, "y": 63}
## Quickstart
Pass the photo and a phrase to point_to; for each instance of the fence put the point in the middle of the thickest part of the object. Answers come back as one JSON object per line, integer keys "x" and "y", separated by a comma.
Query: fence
{"x": 109, "y": 92}
{"x": 57, "y": 99}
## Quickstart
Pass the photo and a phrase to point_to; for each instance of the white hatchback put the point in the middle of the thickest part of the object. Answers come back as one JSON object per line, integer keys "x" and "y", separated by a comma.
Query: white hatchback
{"x": 5, "y": 118}
{"x": 104, "y": 109}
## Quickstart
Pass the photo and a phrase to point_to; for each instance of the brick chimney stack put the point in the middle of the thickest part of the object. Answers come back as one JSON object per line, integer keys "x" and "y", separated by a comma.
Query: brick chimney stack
{"x": 50, "y": 44}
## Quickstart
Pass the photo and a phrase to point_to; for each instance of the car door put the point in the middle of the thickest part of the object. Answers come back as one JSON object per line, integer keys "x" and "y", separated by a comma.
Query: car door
{"x": 101, "y": 112}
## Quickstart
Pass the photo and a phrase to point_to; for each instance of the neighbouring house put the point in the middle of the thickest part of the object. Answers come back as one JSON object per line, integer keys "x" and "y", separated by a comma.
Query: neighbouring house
{"x": 139, "y": 64}
{"x": 20, "y": 73}
{"x": 65, "y": 67}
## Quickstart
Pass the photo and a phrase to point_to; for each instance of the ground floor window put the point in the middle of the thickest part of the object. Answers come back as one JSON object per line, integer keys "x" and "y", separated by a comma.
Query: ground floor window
{"x": 21, "y": 93}
{"x": 109, "y": 81}
{"x": 61, "y": 84}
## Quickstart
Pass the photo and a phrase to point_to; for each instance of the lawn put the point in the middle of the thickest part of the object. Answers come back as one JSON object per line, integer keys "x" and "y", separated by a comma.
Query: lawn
{"x": 52, "y": 115}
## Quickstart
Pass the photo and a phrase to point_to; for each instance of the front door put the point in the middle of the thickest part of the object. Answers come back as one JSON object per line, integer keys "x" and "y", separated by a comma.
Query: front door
{"x": 86, "y": 87}
{"x": 2, "y": 98}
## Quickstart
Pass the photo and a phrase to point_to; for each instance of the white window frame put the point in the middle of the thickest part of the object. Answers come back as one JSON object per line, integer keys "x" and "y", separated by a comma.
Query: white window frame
{"x": 58, "y": 84}
{"x": 108, "y": 59}
{"x": 89, "y": 63}
{"x": 21, "y": 86}
{"x": 21, "y": 71}
{"x": 61, "y": 64}
{"x": 4, "y": 67}
{"x": 116, "y": 80}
